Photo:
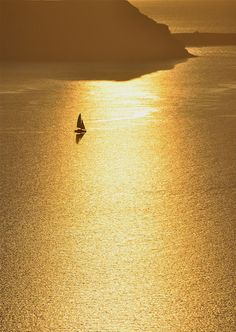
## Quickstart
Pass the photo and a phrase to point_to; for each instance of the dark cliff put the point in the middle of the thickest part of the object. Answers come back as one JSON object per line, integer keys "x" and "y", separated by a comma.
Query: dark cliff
{"x": 96, "y": 30}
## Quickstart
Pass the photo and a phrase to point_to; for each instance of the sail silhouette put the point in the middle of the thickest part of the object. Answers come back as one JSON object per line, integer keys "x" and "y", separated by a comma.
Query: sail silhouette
{"x": 80, "y": 125}
{"x": 79, "y": 121}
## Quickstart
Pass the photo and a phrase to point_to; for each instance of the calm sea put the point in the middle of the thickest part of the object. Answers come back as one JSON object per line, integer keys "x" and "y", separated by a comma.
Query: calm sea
{"x": 192, "y": 15}
{"x": 131, "y": 229}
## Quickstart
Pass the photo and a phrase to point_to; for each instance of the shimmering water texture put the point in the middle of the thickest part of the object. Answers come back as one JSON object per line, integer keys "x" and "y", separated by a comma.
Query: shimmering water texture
{"x": 132, "y": 229}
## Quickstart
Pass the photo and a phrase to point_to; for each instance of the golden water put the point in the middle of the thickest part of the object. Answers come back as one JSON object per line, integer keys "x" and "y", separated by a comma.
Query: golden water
{"x": 132, "y": 228}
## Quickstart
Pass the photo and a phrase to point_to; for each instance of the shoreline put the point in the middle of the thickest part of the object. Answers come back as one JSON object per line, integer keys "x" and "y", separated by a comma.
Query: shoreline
{"x": 206, "y": 39}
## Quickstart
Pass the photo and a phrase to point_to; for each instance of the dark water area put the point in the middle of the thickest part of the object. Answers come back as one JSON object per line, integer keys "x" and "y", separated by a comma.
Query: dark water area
{"x": 131, "y": 229}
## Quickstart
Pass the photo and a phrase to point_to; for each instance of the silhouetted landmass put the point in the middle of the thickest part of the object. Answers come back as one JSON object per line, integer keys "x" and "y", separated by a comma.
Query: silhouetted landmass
{"x": 86, "y": 71}
{"x": 206, "y": 38}
{"x": 94, "y": 30}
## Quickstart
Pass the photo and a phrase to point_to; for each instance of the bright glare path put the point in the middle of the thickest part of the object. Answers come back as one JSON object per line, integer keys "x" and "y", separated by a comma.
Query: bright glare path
{"x": 132, "y": 229}
{"x": 119, "y": 101}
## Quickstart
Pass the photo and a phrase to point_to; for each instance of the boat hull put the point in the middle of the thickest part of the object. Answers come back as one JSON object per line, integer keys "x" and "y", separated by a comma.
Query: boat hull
{"x": 80, "y": 131}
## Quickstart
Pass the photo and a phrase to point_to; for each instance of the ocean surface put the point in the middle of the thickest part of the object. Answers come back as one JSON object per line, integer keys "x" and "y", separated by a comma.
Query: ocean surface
{"x": 131, "y": 228}
{"x": 192, "y": 15}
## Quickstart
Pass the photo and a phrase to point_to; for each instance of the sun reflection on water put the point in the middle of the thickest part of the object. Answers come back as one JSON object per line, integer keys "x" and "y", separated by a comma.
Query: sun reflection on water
{"x": 121, "y": 101}
{"x": 130, "y": 230}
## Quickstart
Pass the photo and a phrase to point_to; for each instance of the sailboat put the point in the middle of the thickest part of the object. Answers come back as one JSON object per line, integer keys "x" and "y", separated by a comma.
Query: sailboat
{"x": 80, "y": 126}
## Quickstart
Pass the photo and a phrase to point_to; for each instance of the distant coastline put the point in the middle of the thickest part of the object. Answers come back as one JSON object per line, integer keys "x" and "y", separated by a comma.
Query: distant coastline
{"x": 206, "y": 39}
{"x": 88, "y": 30}
{"x": 102, "y": 31}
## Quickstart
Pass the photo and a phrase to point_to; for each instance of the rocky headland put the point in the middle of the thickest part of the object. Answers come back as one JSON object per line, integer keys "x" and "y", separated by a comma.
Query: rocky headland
{"x": 85, "y": 30}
